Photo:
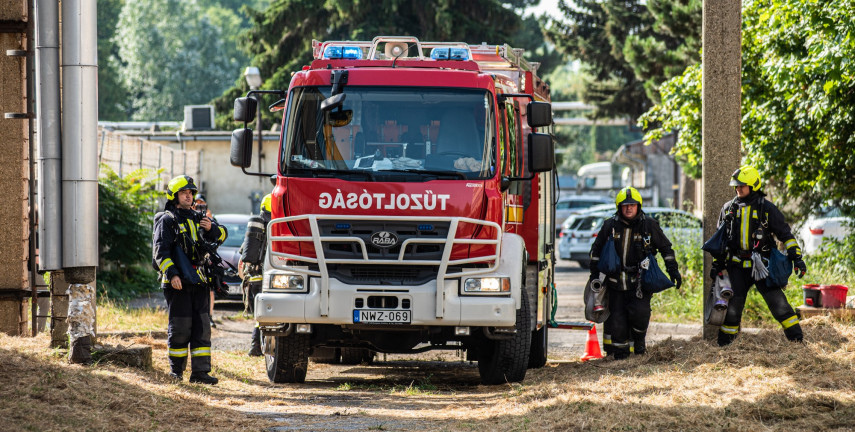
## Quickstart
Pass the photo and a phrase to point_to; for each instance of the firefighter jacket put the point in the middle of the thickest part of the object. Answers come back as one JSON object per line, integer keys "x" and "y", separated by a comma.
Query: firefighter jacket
{"x": 633, "y": 240}
{"x": 752, "y": 222}
{"x": 180, "y": 228}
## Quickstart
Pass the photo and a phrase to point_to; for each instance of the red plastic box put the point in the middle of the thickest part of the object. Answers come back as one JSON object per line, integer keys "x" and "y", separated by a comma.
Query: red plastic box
{"x": 833, "y": 296}
{"x": 812, "y": 295}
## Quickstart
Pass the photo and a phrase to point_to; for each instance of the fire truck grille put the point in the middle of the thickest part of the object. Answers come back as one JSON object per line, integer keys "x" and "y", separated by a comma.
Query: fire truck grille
{"x": 383, "y": 275}
{"x": 364, "y": 230}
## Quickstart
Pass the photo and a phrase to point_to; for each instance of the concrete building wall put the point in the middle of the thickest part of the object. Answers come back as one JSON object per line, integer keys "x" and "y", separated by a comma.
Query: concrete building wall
{"x": 14, "y": 171}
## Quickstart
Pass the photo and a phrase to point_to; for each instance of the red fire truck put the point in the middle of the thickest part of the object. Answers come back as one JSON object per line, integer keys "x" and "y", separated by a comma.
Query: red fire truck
{"x": 413, "y": 207}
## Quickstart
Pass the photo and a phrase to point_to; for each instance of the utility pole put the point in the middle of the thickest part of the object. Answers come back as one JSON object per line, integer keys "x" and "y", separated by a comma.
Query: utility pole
{"x": 722, "y": 99}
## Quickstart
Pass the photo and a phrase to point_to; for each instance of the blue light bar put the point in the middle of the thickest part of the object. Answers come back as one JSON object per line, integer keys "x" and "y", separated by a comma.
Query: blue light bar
{"x": 343, "y": 52}
{"x": 342, "y": 226}
{"x": 425, "y": 227}
{"x": 449, "y": 54}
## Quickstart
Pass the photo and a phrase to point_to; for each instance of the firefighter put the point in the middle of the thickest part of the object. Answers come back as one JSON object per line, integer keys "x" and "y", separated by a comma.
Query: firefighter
{"x": 635, "y": 235}
{"x": 252, "y": 254}
{"x": 752, "y": 221}
{"x": 179, "y": 257}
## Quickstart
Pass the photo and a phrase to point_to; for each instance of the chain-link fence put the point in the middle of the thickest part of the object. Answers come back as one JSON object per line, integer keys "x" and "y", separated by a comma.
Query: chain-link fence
{"x": 124, "y": 154}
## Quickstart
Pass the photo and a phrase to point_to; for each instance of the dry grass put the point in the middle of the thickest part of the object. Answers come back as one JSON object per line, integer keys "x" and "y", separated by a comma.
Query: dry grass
{"x": 760, "y": 383}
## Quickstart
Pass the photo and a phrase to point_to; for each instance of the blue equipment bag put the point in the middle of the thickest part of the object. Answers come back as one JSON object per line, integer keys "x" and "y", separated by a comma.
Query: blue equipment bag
{"x": 652, "y": 279}
{"x": 186, "y": 271}
{"x": 780, "y": 269}
{"x": 717, "y": 244}
{"x": 609, "y": 260}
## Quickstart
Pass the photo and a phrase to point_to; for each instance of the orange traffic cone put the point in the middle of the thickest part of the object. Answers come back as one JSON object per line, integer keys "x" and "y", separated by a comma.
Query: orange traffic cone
{"x": 592, "y": 347}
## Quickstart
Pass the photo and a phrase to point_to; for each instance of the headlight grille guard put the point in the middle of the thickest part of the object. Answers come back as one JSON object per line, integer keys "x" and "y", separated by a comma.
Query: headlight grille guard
{"x": 449, "y": 242}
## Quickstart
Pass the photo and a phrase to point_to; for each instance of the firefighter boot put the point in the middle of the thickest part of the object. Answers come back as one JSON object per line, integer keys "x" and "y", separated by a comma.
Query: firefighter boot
{"x": 255, "y": 347}
{"x": 639, "y": 342}
{"x": 203, "y": 378}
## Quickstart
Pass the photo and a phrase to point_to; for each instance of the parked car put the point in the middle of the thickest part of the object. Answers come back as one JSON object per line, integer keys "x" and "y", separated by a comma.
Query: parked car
{"x": 235, "y": 224}
{"x": 574, "y": 204}
{"x": 828, "y": 222}
{"x": 575, "y": 216}
{"x": 575, "y": 241}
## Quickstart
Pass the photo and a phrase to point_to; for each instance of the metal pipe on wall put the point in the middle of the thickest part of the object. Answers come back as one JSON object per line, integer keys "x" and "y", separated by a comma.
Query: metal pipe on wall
{"x": 50, "y": 152}
{"x": 79, "y": 134}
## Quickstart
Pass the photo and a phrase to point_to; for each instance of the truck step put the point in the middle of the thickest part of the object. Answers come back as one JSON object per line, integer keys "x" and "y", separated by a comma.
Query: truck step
{"x": 572, "y": 325}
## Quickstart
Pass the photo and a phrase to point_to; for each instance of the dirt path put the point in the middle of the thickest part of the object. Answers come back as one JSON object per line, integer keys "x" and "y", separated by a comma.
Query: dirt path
{"x": 436, "y": 390}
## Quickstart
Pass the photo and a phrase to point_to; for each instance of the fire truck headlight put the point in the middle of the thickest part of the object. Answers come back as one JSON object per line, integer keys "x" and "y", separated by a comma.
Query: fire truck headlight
{"x": 287, "y": 282}
{"x": 487, "y": 285}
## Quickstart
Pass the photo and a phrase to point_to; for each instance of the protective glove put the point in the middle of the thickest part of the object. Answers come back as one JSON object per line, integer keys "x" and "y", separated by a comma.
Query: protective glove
{"x": 674, "y": 274}
{"x": 716, "y": 270}
{"x": 801, "y": 268}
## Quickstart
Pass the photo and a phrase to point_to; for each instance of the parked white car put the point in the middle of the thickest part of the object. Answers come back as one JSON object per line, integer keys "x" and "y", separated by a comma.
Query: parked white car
{"x": 576, "y": 240}
{"x": 826, "y": 223}
{"x": 575, "y": 204}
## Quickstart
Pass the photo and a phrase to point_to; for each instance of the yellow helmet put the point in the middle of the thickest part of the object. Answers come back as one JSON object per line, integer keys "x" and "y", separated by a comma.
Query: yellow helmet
{"x": 628, "y": 195}
{"x": 746, "y": 176}
{"x": 265, "y": 203}
{"x": 180, "y": 183}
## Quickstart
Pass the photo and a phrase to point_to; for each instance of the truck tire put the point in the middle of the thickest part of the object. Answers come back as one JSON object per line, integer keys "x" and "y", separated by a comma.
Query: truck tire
{"x": 502, "y": 361}
{"x": 355, "y": 356}
{"x": 288, "y": 360}
{"x": 539, "y": 348}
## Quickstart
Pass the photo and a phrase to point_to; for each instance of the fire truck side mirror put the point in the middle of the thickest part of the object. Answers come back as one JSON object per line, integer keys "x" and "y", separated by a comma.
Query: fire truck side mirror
{"x": 541, "y": 152}
{"x": 245, "y": 109}
{"x": 241, "y": 151}
{"x": 539, "y": 114}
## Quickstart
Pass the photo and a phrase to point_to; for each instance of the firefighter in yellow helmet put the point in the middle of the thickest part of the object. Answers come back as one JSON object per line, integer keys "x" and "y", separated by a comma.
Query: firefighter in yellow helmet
{"x": 752, "y": 221}
{"x": 252, "y": 253}
{"x": 179, "y": 257}
{"x": 635, "y": 237}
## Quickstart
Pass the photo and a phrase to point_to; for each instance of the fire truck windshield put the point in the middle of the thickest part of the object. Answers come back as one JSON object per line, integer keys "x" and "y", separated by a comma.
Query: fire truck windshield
{"x": 390, "y": 134}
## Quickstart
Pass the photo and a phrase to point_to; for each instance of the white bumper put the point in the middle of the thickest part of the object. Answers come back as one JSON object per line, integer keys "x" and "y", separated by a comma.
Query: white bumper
{"x": 457, "y": 310}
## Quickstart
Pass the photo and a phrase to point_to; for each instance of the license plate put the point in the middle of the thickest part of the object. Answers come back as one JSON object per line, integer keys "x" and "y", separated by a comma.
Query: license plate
{"x": 234, "y": 289}
{"x": 381, "y": 316}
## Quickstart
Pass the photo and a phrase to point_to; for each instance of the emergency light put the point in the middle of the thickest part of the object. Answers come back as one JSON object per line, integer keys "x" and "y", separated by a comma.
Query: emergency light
{"x": 343, "y": 52}
{"x": 441, "y": 53}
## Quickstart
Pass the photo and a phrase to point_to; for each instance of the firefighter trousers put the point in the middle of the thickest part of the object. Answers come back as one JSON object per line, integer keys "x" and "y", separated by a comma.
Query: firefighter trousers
{"x": 741, "y": 281}
{"x": 625, "y": 329}
{"x": 189, "y": 325}
{"x": 253, "y": 289}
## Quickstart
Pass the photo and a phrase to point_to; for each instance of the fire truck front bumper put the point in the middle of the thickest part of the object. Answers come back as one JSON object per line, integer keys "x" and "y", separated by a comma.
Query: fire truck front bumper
{"x": 376, "y": 304}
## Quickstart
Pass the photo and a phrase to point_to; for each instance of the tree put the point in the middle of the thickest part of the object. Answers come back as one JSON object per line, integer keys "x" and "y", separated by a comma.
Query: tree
{"x": 172, "y": 55}
{"x": 629, "y": 48}
{"x": 281, "y": 36}
{"x": 112, "y": 97}
{"x": 798, "y": 95}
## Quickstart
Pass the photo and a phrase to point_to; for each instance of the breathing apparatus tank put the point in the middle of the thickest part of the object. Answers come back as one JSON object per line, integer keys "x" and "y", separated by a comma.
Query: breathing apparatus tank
{"x": 253, "y": 243}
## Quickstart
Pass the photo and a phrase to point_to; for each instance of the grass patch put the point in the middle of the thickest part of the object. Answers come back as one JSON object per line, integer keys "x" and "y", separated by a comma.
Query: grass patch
{"x": 117, "y": 316}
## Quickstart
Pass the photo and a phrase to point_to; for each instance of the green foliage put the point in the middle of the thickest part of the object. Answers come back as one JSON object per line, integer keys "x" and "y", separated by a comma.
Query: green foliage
{"x": 172, "y": 55}
{"x": 798, "y": 93}
{"x": 127, "y": 282}
{"x": 126, "y": 208}
{"x": 680, "y": 110}
{"x": 281, "y": 36}
{"x": 112, "y": 97}
{"x": 629, "y": 48}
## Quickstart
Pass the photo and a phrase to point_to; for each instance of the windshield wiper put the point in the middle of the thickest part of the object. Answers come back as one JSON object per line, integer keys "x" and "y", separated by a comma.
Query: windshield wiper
{"x": 454, "y": 174}
{"x": 334, "y": 173}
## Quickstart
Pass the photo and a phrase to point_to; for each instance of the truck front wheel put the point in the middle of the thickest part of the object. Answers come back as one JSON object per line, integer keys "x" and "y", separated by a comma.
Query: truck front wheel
{"x": 287, "y": 358}
{"x": 502, "y": 361}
